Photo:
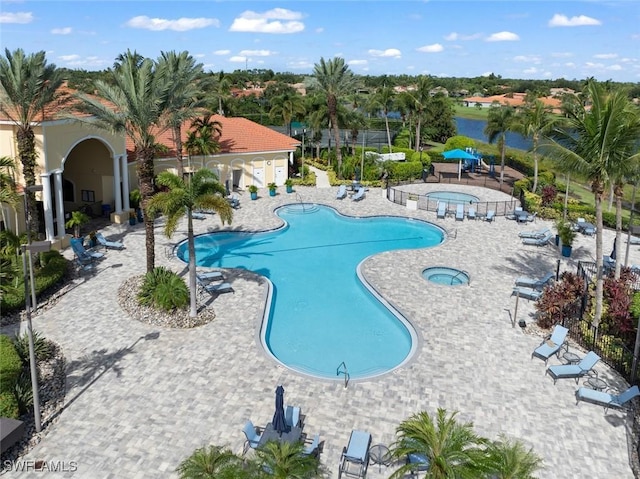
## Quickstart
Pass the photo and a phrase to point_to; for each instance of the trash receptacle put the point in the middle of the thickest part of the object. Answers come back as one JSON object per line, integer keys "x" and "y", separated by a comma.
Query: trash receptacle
{"x": 106, "y": 210}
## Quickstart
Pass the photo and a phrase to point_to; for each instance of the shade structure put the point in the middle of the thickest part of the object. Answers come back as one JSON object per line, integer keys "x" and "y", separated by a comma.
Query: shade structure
{"x": 458, "y": 154}
{"x": 279, "y": 423}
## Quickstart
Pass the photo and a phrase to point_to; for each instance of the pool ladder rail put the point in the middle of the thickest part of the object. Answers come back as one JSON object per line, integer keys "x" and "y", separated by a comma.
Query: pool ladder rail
{"x": 453, "y": 278}
{"x": 342, "y": 369}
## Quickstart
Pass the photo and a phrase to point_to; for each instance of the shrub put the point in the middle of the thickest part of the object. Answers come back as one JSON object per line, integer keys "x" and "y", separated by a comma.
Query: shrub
{"x": 549, "y": 194}
{"x": 521, "y": 185}
{"x": 9, "y": 405}
{"x": 159, "y": 283}
{"x": 10, "y": 364}
{"x": 560, "y": 301}
{"x": 23, "y": 391}
{"x": 459, "y": 142}
{"x": 41, "y": 347}
{"x": 405, "y": 170}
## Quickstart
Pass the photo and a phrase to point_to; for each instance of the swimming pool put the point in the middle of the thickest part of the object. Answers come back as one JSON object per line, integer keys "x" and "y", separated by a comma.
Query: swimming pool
{"x": 321, "y": 313}
{"x": 453, "y": 197}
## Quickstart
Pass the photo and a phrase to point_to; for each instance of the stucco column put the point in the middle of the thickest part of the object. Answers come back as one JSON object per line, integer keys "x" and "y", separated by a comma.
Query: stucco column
{"x": 125, "y": 182}
{"x": 47, "y": 206}
{"x": 59, "y": 199}
{"x": 117, "y": 190}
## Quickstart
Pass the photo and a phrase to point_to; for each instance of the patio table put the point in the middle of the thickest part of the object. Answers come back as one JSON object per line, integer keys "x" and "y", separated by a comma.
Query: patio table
{"x": 270, "y": 434}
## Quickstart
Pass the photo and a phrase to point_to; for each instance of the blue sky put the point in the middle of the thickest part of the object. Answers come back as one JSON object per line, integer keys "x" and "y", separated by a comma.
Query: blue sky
{"x": 514, "y": 39}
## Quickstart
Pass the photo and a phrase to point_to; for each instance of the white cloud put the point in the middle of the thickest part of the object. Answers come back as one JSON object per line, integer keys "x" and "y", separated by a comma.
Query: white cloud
{"x": 435, "y": 48}
{"x": 527, "y": 59}
{"x": 222, "y": 52}
{"x": 238, "y": 59}
{"x": 559, "y": 20}
{"x": 277, "y": 21}
{"x": 453, "y": 36}
{"x": 18, "y": 17}
{"x": 614, "y": 67}
{"x": 561, "y": 54}
{"x": 319, "y": 30}
{"x": 605, "y": 56}
{"x": 256, "y": 53}
{"x": 357, "y": 62}
{"x": 530, "y": 71}
{"x": 389, "y": 53}
{"x": 179, "y": 25}
{"x": 570, "y": 65}
{"x": 486, "y": 74}
{"x": 61, "y": 31}
{"x": 300, "y": 65}
{"x": 69, "y": 58}
{"x": 503, "y": 37}
{"x": 594, "y": 65}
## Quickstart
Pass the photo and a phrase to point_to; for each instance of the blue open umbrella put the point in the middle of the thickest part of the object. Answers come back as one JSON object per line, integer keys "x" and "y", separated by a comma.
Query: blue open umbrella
{"x": 279, "y": 423}
{"x": 458, "y": 154}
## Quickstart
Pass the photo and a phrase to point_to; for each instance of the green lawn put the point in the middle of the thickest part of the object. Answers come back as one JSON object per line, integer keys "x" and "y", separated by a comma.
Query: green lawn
{"x": 471, "y": 112}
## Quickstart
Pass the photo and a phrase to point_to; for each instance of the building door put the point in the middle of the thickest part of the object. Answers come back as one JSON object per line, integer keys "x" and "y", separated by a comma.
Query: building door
{"x": 258, "y": 177}
{"x": 281, "y": 175}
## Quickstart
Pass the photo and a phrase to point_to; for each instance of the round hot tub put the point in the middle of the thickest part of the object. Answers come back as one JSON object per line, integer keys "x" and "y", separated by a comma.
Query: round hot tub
{"x": 446, "y": 276}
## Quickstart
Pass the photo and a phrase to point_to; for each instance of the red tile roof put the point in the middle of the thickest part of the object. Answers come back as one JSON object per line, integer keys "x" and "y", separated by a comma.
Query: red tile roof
{"x": 515, "y": 100}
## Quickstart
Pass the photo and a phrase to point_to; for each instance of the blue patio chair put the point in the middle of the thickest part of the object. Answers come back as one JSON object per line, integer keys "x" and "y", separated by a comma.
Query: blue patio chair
{"x": 601, "y": 398}
{"x": 354, "y": 459}
{"x": 196, "y": 215}
{"x": 313, "y": 447}
{"x": 359, "y": 194}
{"x": 102, "y": 241}
{"x": 82, "y": 253}
{"x": 535, "y": 283}
{"x": 460, "y": 212}
{"x": 491, "y": 215}
{"x": 342, "y": 192}
{"x": 526, "y": 293}
{"x": 551, "y": 344}
{"x": 418, "y": 463}
{"x": 442, "y": 209}
{"x": 253, "y": 436}
{"x": 538, "y": 241}
{"x": 574, "y": 371}
{"x": 209, "y": 276}
{"x": 471, "y": 214}
{"x": 234, "y": 201}
{"x": 293, "y": 417}
{"x": 218, "y": 288}
{"x": 534, "y": 234}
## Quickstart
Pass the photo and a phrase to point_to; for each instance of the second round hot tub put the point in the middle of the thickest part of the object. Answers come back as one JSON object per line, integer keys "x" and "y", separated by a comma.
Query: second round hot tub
{"x": 446, "y": 276}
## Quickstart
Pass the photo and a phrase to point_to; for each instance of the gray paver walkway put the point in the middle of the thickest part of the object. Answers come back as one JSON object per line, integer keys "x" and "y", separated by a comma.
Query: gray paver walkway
{"x": 142, "y": 398}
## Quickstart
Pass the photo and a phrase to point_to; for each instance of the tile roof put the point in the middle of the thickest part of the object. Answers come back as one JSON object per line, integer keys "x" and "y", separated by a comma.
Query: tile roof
{"x": 516, "y": 100}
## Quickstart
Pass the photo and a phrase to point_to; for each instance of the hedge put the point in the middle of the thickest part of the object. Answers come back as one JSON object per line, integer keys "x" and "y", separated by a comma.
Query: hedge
{"x": 9, "y": 405}
{"x": 10, "y": 364}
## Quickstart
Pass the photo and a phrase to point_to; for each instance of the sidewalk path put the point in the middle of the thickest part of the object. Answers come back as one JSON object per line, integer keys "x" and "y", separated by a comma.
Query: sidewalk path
{"x": 322, "y": 179}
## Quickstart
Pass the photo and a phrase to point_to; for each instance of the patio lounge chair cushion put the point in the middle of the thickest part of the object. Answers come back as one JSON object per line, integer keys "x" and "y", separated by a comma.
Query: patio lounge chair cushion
{"x": 534, "y": 283}
{"x": 491, "y": 214}
{"x": 292, "y": 416}
{"x": 526, "y": 293}
{"x": 209, "y": 276}
{"x": 359, "y": 194}
{"x": 355, "y": 457}
{"x": 534, "y": 234}
{"x": 342, "y": 192}
{"x": 575, "y": 371}
{"x": 460, "y": 212}
{"x": 471, "y": 214}
{"x": 82, "y": 253}
{"x": 552, "y": 344}
{"x": 538, "y": 241}
{"x": 218, "y": 288}
{"x": 605, "y": 399}
{"x": 253, "y": 437}
{"x": 442, "y": 209}
{"x": 311, "y": 448}
{"x": 102, "y": 241}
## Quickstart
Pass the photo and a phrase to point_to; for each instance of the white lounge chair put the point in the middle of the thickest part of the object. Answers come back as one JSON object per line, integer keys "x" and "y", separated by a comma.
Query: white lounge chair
{"x": 460, "y": 212}
{"x": 534, "y": 234}
{"x": 342, "y": 192}
{"x": 491, "y": 214}
{"x": 359, "y": 194}
{"x": 534, "y": 283}
{"x": 526, "y": 293}
{"x": 442, "y": 210}
{"x": 471, "y": 214}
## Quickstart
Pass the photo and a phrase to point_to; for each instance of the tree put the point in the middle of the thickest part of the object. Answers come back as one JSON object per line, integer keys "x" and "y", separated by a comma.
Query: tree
{"x": 221, "y": 90}
{"x": 213, "y": 462}
{"x": 593, "y": 142}
{"x": 418, "y": 104}
{"x": 499, "y": 121}
{"x": 533, "y": 121}
{"x": 510, "y": 460}
{"x": 8, "y": 194}
{"x": 134, "y": 104}
{"x": 335, "y": 80}
{"x": 203, "y": 191}
{"x": 384, "y": 100}
{"x": 285, "y": 460}
{"x": 452, "y": 449}
{"x": 288, "y": 105}
{"x": 184, "y": 100}
{"x": 202, "y": 139}
{"x": 28, "y": 86}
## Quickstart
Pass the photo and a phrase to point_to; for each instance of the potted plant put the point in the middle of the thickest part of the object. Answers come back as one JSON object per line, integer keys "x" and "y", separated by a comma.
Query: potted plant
{"x": 289, "y": 184}
{"x": 93, "y": 240}
{"x": 567, "y": 235}
{"x": 78, "y": 218}
{"x": 132, "y": 218}
{"x": 253, "y": 191}
{"x": 272, "y": 189}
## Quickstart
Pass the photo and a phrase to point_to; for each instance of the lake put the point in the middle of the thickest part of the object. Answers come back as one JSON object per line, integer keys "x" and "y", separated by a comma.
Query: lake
{"x": 475, "y": 129}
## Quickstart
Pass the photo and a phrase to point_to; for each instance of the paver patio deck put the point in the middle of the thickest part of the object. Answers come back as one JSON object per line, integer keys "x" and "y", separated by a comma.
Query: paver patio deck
{"x": 136, "y": 407}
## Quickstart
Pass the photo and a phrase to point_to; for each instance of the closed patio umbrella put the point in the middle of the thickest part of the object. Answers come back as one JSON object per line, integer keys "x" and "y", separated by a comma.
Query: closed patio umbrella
{"x": 279, "y": 422}
{"x": 613, "y": 251}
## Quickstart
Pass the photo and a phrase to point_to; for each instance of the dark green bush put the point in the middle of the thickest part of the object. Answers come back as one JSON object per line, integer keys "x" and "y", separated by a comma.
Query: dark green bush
{"x": 164, "y": 289}
{"x": 10, "y": 364}
{"x": 405, "y": 170}
{"x": 459, "y": 142}
{"x": 41, "y": 346}
{"x": 521, "y": 185}
{"x": 9, "y": 405}
{"x": 23, "y": 391}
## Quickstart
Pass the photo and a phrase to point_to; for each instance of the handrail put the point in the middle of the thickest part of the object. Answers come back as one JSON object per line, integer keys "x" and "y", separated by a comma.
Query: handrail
{"x": 345, "y": 372}
{"x": 299, "y": 199}
{"x": 458, "y": 274}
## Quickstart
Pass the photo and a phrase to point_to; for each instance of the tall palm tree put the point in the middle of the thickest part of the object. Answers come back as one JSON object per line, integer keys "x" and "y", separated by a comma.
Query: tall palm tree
{"x": 510, "y": 460}
{"x": 185, "y": 100}
{"x": 133, "y": 103}
{"x": 384, "y": 100}
{"x": 285, "y": 460}
{"x": 593, "y": 142}
{"x": 419, "y": 99}
{"x": 499, "y": 121}
{"x": 354, "y": 121}
{"x": 181, "y": 198}
{"x": 533, "y": 121}
{"x": 28, "y": 85}
{"x": 221, "y": 90}
{"x": 335, "y": 80}
{"x": 287, "y": 106}
{"x": 203, "y": 138}
{"x": 452, "y": 449}
{"x": 213, "y": 462}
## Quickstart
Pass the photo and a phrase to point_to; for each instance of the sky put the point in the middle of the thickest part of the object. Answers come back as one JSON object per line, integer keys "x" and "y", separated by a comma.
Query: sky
{"x": 515, "y": 39}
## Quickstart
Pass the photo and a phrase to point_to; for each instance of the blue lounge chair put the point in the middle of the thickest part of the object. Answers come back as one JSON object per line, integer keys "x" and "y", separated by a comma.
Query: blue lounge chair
{"x": 102, "y": 241}
{"x": 342, "y": 192}
{"x": 418, "y": 463}
{"x": 575, "y": 371}
{"x": 359, "y": 194}
{"x": 526, "y": 293}
{"x": 253, "y": 437}
{"x": 82, "y": 253}
{"x": 196, "y": 215}
{"x": 491, "y": 214}
{"x": 460, "y": 212}
{"x": 538, "y": 241}
{"x": 614, "y": 401}
{"x": 205, "y": 278}
{"x": 218, "y": 288}
{"x": 292, "y": 416}
{"x": 471, "y": 214}
{"x": 552, "y": 344}
{"x": 442, "y": 209}
{"x": 355, "y": 457}
{"x": 608, "y": 262}
{"x": 534, "y": 283}
{"x": 534, "y": 234}
{"x": 234, "y": 201}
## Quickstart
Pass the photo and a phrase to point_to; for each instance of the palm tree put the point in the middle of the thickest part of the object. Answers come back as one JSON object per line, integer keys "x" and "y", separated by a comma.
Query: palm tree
{"x": 202, "y": 139}
{"x": 335, "y": 80}
{"x": 28, "y": 85}
{"x": 593, "y": 142}
{"x": 221, "y": 88}
{"x": 202, "y": 191}
{"x": 499, "y": 121}
{"x": 419, "y": 99}
{"x": 133, "y": 103}
{"x": 185, "y": 99}
{"x": 287, "y": 106}
{"x": 212, "y": 462}
{"x": 285, "y": 460}
{"x": 384, "y": 100}
{"x": 533, "y": 121}
{"x": 510, "y": 460}
{"x": 452, "y": 449}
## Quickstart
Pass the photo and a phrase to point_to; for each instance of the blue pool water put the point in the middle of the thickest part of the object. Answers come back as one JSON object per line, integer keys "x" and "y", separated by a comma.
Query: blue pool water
{"x": 321, "y": 313}
{"x": 452, "y": 197}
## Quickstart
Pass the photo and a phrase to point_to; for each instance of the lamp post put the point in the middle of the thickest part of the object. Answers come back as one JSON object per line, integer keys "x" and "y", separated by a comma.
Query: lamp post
{"x": 304, "y": 130}
{"x": 27, "y": 222}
